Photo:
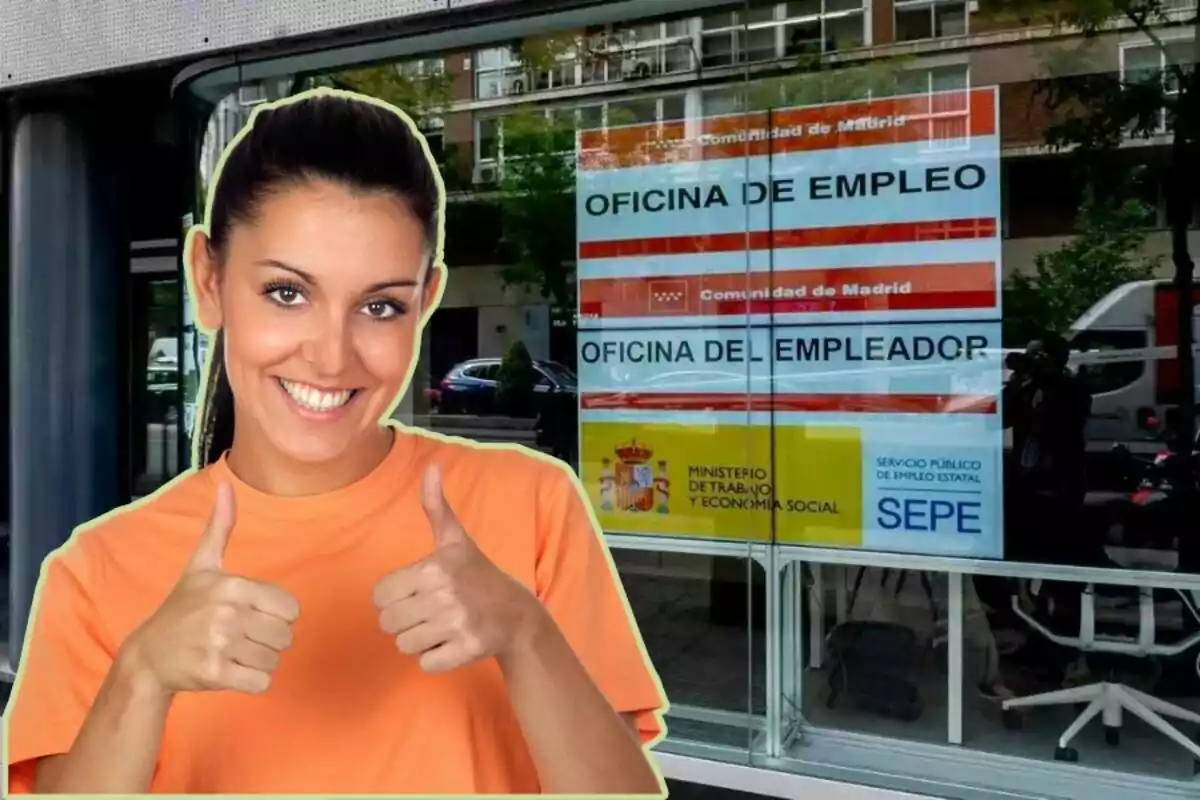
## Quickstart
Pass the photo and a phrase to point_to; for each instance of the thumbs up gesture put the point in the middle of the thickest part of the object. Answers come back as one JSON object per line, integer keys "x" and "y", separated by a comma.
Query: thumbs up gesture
{"x": 455, "y": 606}
{"x": 215, "y": 630}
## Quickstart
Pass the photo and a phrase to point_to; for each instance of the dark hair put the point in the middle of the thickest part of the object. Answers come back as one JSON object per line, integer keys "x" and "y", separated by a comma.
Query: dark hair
{"x": 334, "y": 136}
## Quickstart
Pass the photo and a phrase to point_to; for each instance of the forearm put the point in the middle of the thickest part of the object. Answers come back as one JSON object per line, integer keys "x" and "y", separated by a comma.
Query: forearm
{"x": 117, "y": 747}
{"x": 578, "y": 743}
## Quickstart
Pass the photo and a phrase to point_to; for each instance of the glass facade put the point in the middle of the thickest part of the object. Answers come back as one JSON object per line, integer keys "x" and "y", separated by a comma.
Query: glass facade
{"x": 860, "y": 321}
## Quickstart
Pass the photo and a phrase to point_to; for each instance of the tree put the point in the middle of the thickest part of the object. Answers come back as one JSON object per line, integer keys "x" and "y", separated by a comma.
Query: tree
{"x": 515, "y": 381}
{"x": 421, "y": 94}
{"x": 537, "y": 200}
{"x": 1100, "y": 110}
{"x": 1065, "y": 282}
{"x": 811, "y": 80}
{"x": 421, "y": 91}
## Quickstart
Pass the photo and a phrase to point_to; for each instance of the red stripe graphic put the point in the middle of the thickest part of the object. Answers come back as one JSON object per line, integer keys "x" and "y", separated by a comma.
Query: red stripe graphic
{"x": 879, "y": 233}
{"x": 735, "y": 401}
{"x": 970, "y": 284}
{"x": 954, "y": 116}
{"x": 928, "y": 301}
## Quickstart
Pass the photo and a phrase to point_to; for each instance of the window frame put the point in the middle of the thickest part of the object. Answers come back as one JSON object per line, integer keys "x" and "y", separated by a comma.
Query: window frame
{"x": 576, "y": 110}
{"x": 1167, "y": 38}
{"x": 612, "y": 48}
{"x": 779, "y": 24}
{"x": 930, "y": 6}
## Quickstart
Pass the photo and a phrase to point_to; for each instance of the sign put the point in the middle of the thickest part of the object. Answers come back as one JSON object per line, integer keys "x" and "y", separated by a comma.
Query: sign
{"x": 789, "y": 325}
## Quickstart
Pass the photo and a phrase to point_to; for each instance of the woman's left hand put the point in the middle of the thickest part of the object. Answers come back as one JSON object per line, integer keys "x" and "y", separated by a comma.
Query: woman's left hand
{"x": 455, "y": 606}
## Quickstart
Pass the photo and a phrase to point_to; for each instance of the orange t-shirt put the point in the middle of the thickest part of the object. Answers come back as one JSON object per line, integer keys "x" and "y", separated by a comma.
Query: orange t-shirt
{"x": 346, "y": 711}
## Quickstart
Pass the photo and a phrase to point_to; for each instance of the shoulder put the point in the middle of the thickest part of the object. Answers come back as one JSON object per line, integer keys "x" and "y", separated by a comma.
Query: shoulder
{"x": 143, "y": 536}
{"x": 498, "y": 467}
{"x": 503, "y": 486}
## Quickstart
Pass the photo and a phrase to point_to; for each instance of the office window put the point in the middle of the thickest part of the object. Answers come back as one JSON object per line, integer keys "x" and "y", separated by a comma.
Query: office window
{"x": 1150, "y": 62}
{"x": 731, "y": 37}
{"x": 812, "y": 27}
{"x": 489, "y": 131}
{"x": 487, "y": 139}
{"x": 930, "y": 19}
{"x": 499, "y": 73}
{"x": 724, "y": 100}
{"x": 422, "y": 67}
{"x": 615, "y": 53}
{"x": 948, "y": 115}
{"x": 795, "y": 28}
{"x": 600, "y": 55}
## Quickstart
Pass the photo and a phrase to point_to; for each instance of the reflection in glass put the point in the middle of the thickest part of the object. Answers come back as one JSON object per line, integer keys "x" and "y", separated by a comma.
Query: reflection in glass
{"x": 1095, "y": 673}
{"x": 874, "y": 658}
{"x": 692, "y": 612}
{"x": 156, "y": 351}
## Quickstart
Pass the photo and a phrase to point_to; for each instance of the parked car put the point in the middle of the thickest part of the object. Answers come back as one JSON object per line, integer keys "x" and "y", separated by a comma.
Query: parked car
{"x": 470, "y": 387}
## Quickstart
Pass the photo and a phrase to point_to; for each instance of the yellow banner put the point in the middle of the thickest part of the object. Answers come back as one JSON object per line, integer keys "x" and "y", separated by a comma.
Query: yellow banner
{"x": 726, "y": 482}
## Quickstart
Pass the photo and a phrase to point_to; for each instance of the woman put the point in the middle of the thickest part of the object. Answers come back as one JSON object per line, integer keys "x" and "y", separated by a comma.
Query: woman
{"x": 332, "y": 604}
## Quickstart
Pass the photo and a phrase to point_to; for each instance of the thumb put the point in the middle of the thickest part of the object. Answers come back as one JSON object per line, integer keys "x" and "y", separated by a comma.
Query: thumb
{"x": 215, "y": 539}
{"x": 446, "y": 528}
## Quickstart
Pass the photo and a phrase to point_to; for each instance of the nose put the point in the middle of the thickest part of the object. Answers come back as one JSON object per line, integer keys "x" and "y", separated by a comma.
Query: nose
{"x": 328, "y": 346}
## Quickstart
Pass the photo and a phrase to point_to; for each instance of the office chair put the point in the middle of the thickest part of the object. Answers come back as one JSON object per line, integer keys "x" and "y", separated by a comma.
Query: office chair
{"x": 1110, "y": 700}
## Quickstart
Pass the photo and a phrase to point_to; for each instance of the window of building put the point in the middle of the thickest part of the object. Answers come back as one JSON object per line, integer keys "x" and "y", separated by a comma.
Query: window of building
{"x": 649, "y": 50}
{"x": 1153, "y": 63}
{"x": 930, "y": 19}
{"x": 723, "y": 100}
{"x": 499, "y": 73}
{"x": 722, "y": 38}
{"x": 489, "y": 131}
{"x": 767, "y": 32}
{"x": 732, "y": 37}
{"x": 948, "y": 112}
{"x": 600, "y": 55}
{"x": 422, "y": 67}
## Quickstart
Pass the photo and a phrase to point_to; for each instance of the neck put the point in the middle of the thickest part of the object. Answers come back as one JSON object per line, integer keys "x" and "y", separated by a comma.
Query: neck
{"x": 265, "y": 469}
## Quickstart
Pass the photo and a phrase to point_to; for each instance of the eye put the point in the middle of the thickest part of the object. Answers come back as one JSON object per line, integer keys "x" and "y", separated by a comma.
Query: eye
{"x": 284, "y": 294}
{"x": 383, "y": 309}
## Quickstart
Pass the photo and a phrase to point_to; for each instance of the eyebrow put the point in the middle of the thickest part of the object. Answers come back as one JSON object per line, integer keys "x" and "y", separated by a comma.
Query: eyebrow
{"x": 309, "y": 278}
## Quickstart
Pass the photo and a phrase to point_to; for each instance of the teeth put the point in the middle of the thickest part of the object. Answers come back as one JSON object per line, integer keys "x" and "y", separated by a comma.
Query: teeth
{"x": 313, "y": 398}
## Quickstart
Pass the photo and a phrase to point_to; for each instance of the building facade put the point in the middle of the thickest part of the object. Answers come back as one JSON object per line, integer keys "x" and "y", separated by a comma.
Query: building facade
{"x": 720, "y": 61}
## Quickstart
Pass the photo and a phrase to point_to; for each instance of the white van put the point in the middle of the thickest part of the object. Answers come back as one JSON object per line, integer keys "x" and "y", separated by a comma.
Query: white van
{"x": 1125, "y": 349}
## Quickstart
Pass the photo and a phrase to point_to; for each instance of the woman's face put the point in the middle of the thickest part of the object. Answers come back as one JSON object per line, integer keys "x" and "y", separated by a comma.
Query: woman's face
{"x": 321, "y": 299}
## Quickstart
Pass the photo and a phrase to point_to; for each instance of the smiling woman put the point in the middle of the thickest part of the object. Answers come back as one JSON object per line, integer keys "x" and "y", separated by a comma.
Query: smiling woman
{"x": 331, "y": 603}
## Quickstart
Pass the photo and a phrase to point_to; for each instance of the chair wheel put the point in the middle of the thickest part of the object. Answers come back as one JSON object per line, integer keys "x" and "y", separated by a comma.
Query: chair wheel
{"x": 1112, "y": 736}
{"x": 1013, "y": 721}
{"x": 1068, "y": 754}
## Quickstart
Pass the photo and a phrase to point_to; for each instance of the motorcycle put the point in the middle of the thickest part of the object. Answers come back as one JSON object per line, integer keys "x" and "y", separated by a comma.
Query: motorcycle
{"x": 1160, "y": 511}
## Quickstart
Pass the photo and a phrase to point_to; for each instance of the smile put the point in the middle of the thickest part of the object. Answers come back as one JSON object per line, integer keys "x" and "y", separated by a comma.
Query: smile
{"x": 315, "y": 399}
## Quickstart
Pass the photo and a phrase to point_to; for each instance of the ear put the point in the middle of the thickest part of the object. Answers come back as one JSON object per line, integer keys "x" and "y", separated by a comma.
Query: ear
{"x": 206, "y": 279}
{"x": 431, "y": 292}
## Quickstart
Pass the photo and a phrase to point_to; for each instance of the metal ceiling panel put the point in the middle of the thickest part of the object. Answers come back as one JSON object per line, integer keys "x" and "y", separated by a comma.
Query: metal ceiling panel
{"x": 49, "y": 40}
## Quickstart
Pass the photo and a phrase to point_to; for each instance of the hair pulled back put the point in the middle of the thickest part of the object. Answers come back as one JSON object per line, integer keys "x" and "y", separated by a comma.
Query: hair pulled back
{"x": 323, "y": 135}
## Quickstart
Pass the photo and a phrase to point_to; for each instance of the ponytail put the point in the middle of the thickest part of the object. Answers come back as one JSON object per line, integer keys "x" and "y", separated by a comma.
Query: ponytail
{"x": 216, "y": 427}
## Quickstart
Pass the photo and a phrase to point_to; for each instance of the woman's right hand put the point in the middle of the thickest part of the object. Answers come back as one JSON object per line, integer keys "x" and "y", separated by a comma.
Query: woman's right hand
{"x": 215, "y": 631}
